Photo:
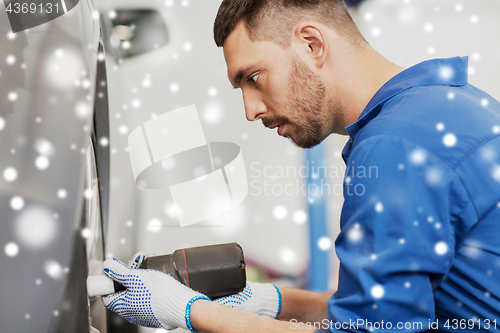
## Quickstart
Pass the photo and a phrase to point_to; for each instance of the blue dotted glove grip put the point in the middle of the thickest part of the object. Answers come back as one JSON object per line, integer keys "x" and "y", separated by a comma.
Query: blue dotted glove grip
{"x": 135, "y": 304}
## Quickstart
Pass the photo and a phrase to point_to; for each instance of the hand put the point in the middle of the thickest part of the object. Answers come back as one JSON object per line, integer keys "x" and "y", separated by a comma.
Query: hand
{"x": 263, "y": 299}
{"x": 137, "y": 260}
{"x": 152, "y": 299}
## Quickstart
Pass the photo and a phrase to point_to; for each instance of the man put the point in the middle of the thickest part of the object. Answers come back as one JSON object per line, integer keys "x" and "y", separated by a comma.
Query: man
{"x": 420, "y": 249}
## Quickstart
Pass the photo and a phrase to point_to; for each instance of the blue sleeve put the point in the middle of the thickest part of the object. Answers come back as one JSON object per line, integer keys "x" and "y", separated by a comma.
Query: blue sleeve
{"x": 397, "y": 239}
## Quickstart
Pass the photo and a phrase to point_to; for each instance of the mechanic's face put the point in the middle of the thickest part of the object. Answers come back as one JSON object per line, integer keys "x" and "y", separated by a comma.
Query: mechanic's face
{"x": 278, "y": 88}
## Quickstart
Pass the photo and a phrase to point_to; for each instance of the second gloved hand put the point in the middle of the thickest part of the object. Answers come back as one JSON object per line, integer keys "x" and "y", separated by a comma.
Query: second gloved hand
{"x": 263, "y": 299}
{"x": 152, "y": 299}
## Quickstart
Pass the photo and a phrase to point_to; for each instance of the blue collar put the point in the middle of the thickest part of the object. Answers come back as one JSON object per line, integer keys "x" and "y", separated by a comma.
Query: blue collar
{"x": 441, "y": 72}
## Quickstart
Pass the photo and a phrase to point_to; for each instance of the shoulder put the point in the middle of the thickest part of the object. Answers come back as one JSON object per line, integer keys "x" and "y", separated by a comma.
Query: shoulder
{"x": 449, "y": 122}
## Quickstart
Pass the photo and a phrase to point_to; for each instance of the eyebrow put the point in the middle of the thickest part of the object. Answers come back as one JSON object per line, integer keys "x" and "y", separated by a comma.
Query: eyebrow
{"x": 236, "y": 79}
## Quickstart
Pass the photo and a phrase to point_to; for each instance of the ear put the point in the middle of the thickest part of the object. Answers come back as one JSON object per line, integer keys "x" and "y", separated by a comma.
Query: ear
{"x": 311, "y": 41}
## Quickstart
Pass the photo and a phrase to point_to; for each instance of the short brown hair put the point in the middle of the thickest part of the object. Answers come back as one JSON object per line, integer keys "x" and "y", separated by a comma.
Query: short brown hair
{"x": 274, "y": 19}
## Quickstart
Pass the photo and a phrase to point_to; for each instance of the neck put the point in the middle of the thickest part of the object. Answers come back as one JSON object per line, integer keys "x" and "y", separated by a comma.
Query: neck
{"x": 357, "y": 74}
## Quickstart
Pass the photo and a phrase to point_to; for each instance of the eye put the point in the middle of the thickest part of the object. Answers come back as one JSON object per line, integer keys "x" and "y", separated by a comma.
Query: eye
{"x": 254, "y": 78}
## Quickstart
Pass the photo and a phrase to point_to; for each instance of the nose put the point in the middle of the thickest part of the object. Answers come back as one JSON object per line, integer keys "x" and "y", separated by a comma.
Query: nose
{"x": 255, "y": 108}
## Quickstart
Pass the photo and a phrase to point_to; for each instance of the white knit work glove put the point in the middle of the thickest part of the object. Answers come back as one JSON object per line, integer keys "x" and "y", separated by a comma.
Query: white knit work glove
{"x": 137, "y": 260}
{"x": 262, "y": 299}
{"x": 152, "y": 299}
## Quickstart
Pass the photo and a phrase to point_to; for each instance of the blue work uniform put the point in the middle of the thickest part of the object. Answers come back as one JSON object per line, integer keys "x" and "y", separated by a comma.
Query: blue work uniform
{"x": 419, "y": 246}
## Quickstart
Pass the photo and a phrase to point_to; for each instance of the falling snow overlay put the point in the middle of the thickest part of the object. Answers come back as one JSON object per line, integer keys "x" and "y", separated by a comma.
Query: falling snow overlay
{"x": 163, "y": 80}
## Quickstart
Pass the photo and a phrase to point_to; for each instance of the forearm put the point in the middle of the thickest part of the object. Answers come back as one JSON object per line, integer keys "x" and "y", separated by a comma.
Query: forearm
{"x": 303, "y": 306}
{"x": 210, "y": 317}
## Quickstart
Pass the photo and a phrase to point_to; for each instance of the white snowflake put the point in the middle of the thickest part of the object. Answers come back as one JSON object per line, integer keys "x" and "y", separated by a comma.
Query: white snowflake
{"x": 82, "y": 110}
{"x": 379, "y": 207}
{"x": 485, "y": 102}
{"x": 61, "y": 193}
{"x": 104, "y": 141}
{"x": 36, "y": 227}
{"x": 169, "y": 163}
{"x": 459, "y": 7}
{"x": 154, "y": 225}
{"x": 407, "y": 284}
{"x": 11, "y": 249}
{"x": 59, "y": 53}
{"x": 451, "y": 95}
{"x": 488, "y": 154}
{"x": 123, "y": 129}
{"x": 495, "y": 173}
{"x": 446, "y": 72}
{"x": 288, "y": 256}
{"x": 441, "y": 248}
{"x": 324, "y": 243}
{"x": 496, "y": 129}
{"x": 174, "y": 87}
{"x": 85, "y": 233}
{"x": 146, "y": 82}
{"x": 474, "y": 19}
{"x": 449, "y": 140}
{"x": 17, "y": 203}
{"x": 300, "y": 217}
{"x": 136, "y": 103}
{"x": 42, "y": 162}
{"x": 88, "y": 194}
{"x": 212, "y": 91}
{"x": 12, "y": 96}
{"x": 377, "y": 291}
{"x": 10, "y": 60}
{"x": 126, "y": 44}
{"x": 368, "y": 16}
{"x": 376, "y": 31}
{"x": 440, "y": 127}
{"x": 428, "y": 27}
{"x": 10, "y": 174}
{"x": 53, "y": 269}
{"x": 355, "y": 234}
{"x": 187, "y": 46}
{"x": 433, "y": 176}
{"x": 44, "y": 147}
{"x": 2, "y": 123}
{"x": 417, "y": 156}
{"x": 279, "y": 212}
{"x": 213, "y": 114}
